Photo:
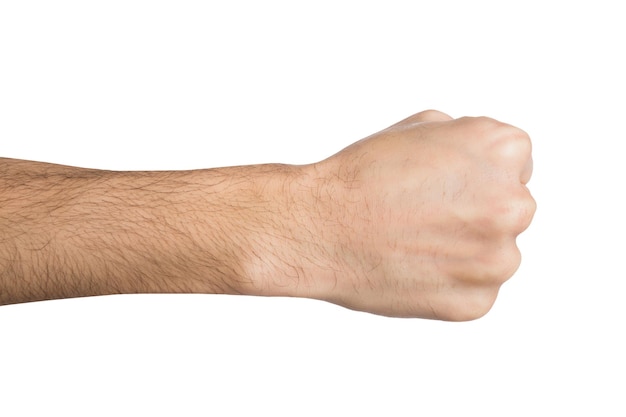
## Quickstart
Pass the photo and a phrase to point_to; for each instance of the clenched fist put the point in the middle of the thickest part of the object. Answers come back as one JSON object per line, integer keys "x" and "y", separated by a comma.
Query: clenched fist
{"x": 417, "y": 220}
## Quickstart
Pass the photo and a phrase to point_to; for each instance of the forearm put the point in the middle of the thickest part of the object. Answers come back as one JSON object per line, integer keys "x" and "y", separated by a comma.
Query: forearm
{"x": 71, "y": 232}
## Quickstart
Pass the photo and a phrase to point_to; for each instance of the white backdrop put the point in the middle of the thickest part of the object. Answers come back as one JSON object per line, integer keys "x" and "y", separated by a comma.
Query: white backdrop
{"x": 183, "y": 84}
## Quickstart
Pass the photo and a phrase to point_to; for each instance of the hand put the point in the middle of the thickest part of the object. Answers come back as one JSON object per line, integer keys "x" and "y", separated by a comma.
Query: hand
{"x": 417, "y": 220}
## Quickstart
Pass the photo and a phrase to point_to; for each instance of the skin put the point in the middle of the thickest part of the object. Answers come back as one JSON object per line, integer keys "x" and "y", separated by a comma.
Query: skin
{"x": 418, "y": 220}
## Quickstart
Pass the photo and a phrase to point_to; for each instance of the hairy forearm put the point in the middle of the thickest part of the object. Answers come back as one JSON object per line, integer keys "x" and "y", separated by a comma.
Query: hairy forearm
{"x": 417, "y": 220}
{"x": 71, "y": 232}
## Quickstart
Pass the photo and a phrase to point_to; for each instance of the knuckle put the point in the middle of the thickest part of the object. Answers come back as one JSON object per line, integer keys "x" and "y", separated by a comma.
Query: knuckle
{"x": 503, "y": 138}
{"x": 423, "y": 117}
{"x": 511, "y": 144}
{"x": 502, "y": 264}
{"x": 483, "y": 126}
{"x": 480, "y": 293}
{"x": 503, "y": 141}
{"x": 528, "y": 209}
{"x": 488, "y": 121}
{"x": 431, "y": 114}
{"x": 512, "y": 215}
{"x": 483, "y": 121}
{"x": 474, "y": 304}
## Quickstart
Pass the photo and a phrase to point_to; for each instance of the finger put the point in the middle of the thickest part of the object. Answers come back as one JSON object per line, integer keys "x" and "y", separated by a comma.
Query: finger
{"x": 425, "y": 117}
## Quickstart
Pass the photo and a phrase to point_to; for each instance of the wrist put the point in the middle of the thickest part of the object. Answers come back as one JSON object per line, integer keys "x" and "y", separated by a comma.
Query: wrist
{"x": 295, "y": 246}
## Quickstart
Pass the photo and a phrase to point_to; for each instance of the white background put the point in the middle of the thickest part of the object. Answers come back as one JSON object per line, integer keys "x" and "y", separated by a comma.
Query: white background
{"x": 182, "y": 84}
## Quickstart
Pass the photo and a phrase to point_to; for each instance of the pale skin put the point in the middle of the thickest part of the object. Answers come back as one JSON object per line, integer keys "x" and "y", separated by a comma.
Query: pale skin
{"x": 417, "y": 220}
